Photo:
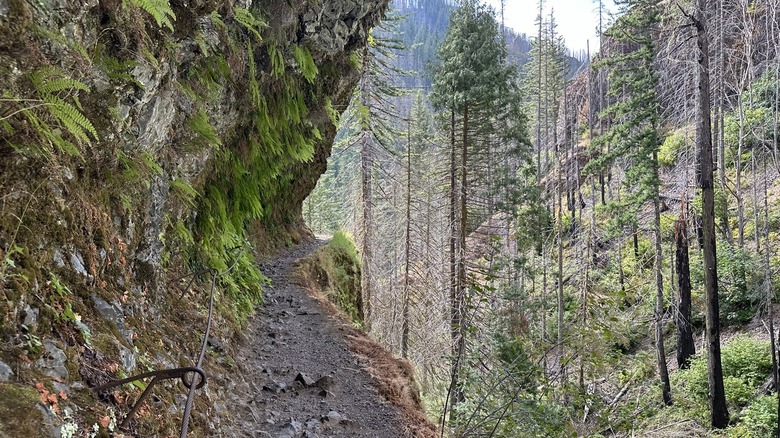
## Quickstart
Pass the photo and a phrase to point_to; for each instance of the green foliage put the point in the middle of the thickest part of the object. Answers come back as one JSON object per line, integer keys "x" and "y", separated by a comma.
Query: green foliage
{"x": 216, "y": 20}
{"x": 343, "y": 243}
{"x": 746, "y": 365}
{"x": 57, "y": 93}
{"x": 672, "y": 147}
{"x": 118, "y": 70}
{"x": 340, "y": 264}
{"x": 248, "y": 20}
{"x": 741, "y": 278}
{"x": 160, "y": 10}
{"x": 305, "y": 63}
{"x": 206, "y": 134}
{"x": 184, "y": 191}
{"x": 61, "y": 304}
{"x": 758, "y": 420}
{"x": 277, "y": 60}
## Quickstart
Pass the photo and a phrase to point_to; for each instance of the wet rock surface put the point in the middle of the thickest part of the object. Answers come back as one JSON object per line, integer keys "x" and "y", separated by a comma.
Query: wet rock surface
{"x": 297, "y": 377}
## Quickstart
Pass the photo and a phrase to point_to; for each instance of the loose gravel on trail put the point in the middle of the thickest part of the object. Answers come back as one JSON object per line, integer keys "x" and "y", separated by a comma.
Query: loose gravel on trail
{"x": 296, "y": 376}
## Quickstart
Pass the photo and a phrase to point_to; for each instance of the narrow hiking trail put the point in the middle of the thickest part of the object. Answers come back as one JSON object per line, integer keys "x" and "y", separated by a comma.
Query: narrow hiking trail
{"x": 298, "y": 377}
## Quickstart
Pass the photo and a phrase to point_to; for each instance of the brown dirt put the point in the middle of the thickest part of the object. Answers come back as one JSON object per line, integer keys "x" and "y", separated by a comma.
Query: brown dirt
{"x": 352, "y": 388}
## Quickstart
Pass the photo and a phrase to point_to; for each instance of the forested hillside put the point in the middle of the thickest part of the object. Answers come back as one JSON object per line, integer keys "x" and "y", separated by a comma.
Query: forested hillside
{"x": 568, "y": 250}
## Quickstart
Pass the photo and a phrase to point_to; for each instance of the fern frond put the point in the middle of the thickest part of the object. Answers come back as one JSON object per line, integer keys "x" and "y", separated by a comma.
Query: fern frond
{"x": 305, "y": 63}
{"x": 184, "y": 191}
{"x": 160, "y": 10}
{"x": 245, "y": 18}
{"x": 254, "y": 86}
{"x": 216, "y": 20}
{"x": 199, "y": 122}
{"x": 150, "y": 161}
{"x": 277, "y": 60}
{"x": 71, "y": 118}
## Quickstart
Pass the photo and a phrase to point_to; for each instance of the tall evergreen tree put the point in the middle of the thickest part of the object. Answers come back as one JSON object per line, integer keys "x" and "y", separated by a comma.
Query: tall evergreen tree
{"x": 471, "y": 85}
{"x": 634, "y": 137}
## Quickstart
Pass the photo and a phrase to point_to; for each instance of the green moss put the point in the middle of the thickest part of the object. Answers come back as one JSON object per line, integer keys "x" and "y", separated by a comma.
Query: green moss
{"x": 19, "y": 412}
{"x": 338, "y": 264}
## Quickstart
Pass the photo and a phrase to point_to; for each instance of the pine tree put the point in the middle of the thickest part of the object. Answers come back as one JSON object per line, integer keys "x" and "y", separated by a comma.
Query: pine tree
{"x": 472, "y": 86}
{"x": 635, "y": 137}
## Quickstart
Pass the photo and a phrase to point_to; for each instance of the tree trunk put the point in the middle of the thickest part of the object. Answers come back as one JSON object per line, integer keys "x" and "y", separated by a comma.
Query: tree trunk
{"x": 686, "y": 347}
{"x": 454, "y": 394}
{"x": 366, "y": 165}
{"x": 719, "y": 415}
{"x": 663, "y": 371}
{"x": 408, "y": 244}
{"x": 461, "y": 345}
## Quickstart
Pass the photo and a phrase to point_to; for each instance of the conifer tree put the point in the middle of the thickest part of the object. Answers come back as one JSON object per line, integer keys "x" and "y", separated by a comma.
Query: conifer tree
{"x": 635, "y": 137}
{"x": 471, "y": 85}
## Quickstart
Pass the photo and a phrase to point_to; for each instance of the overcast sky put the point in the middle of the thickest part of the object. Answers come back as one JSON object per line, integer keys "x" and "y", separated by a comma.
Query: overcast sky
{"x": 577, "y": 19}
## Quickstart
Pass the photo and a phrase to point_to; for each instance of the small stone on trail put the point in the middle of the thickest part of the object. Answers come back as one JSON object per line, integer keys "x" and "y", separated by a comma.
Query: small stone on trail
{"x": 274, "y": 387}
{"x": 333, "y": 416}
{"x": 305, "y": 380}
{"x": 325, "y": 382}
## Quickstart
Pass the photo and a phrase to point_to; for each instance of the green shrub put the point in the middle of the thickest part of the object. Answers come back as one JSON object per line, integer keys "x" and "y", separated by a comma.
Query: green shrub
{"x": 758, "y": 420}
{"x": 746, "y": 365}
{"x": 671, "y": 148}
{"x": 747, "y": 359}
{"x": 741, "y": 276}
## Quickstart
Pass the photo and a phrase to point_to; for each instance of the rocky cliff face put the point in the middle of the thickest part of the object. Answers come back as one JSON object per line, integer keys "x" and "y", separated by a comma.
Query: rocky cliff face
{"x": 143, "y": 145}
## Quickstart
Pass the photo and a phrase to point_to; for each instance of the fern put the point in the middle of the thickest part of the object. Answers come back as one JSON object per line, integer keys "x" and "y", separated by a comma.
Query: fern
{"x": 333, "y": 115}
{"x": 150, "y": 161}
{"x": 199, "y": 123}
{"x": 251, "y": 23}
{"x": 216, "y": 20}
{"x": 160, "y": 10}
{"x": 305, "y": 63}
{"x": 277, "y": 60}
{"x": 254, "y": 86}
{"x": 184, "y": 191}
{"x": 52, "y": 88}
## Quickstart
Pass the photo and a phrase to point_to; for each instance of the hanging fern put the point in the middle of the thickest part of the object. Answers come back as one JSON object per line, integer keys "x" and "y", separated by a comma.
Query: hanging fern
{"x": 207, "y": 135}
{"x": 277, "y": 60}
{"x": 184, "y": 191}
{"x": 245, "y": 18}
{"x": 216, "y": 20}
{"x": 305, "y": 63}
{"x": 254, "y": 85}
{"x": 160, "y": 10}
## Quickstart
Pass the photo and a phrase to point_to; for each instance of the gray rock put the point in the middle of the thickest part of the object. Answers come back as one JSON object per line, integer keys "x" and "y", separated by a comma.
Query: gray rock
{"x": 304, "y": 380}
{"x": 275, "y": 387}
{"x": 52, "y": 362}
{"x": 326, "y": 383}
{"x": 111, "y": 312}
{"x": 128, "y": 358}
{"x": 58, "y": 260}
{"x": 5, "y": 372}
{"x": 78, "y": 263}
{"x": 30, "y": 317}
{"x": 3, "y": 8}
{"x": 333, "y": 416}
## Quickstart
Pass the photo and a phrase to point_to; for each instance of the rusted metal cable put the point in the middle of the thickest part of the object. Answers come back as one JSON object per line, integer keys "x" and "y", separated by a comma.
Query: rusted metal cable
{"x": 180, "y": 373}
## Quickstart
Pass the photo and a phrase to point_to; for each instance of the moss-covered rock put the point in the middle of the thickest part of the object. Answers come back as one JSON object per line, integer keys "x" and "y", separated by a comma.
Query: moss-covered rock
{"x": 21, "y": 414}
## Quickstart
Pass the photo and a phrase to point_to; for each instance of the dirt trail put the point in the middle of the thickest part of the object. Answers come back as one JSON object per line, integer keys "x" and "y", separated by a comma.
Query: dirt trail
{"x": 302, "y": 379}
